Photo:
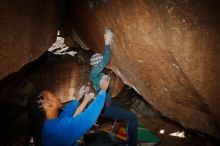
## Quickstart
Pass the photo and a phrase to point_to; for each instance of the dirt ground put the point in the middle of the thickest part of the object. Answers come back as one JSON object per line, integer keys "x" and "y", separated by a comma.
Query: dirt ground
{"x": 191, "y": 138}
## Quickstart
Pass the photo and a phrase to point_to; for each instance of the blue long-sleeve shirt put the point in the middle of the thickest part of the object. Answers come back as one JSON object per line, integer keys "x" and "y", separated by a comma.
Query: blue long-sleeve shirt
{"x": 66, "y": 129}
{"x": 97, "y": 72}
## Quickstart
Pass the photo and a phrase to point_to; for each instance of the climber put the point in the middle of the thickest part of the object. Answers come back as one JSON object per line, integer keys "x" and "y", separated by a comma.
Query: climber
{"x": 111, "y": 110}
{"x": 48, "y": 127}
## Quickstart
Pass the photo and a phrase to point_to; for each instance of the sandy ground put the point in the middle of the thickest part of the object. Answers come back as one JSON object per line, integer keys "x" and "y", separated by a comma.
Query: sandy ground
{"x": 191, "y": 138}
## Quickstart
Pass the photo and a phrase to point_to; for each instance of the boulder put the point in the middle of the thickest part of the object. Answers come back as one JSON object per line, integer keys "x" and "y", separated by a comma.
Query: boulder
{"x": 168, "y": 51}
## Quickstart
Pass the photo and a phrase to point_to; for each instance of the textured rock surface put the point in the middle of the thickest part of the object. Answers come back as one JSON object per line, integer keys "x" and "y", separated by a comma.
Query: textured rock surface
{"x": 168, "y": 51}
{"x": 64, "y": 75}
{"x": 28, "y": 28}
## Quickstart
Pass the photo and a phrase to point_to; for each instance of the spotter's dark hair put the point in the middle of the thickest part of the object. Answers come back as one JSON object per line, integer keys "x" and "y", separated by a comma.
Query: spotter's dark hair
{"x": 36, "y": 116}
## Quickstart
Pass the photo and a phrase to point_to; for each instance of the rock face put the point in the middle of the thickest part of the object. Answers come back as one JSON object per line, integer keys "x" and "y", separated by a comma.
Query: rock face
{"x": 168, "y": 51}
{"x": 64, "y": 75}
{"x": 28, "y": 28}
